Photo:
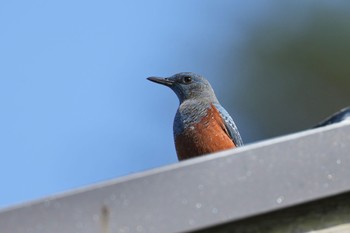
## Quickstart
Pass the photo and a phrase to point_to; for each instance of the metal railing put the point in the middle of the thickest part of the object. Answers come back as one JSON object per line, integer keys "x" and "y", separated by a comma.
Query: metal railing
{"x": 226, "y": 191}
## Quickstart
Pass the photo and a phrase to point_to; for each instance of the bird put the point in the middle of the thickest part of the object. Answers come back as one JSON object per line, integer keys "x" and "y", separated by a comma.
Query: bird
{"x": 341, "y": 115}
{"x": 201, "y": 125}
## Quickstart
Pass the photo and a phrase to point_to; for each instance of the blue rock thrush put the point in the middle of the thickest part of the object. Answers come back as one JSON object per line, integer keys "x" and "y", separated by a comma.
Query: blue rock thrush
{"x": 342, "y": 115}
{"x": 201, "y": 124}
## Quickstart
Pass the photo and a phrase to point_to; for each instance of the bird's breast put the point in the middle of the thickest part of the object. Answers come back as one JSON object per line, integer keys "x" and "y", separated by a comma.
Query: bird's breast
{"x": 199, "y": 133}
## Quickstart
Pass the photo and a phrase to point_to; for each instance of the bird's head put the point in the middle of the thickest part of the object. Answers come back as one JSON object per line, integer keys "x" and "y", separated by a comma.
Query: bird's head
{"x": 187, "y": 85}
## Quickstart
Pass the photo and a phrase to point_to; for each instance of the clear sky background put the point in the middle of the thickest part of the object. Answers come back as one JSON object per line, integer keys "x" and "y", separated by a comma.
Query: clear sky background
{"x": 76, "y": 107}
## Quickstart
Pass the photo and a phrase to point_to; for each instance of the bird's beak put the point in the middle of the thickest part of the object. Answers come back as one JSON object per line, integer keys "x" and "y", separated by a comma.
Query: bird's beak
{"x": 163, "y": 81}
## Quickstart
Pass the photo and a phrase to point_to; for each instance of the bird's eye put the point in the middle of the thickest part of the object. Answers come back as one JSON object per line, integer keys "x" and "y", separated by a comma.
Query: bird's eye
{"x": 187, "y": 79}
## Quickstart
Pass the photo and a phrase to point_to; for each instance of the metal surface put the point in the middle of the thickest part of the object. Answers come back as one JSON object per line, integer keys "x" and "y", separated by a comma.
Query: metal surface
{"x": 198, "y": 193}
{"x": 312, "y": 216}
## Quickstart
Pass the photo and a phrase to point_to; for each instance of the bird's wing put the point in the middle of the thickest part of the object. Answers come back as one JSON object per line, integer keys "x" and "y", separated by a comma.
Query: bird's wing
{"x": 230, "y": 125}
{"x": 342, "y": 115}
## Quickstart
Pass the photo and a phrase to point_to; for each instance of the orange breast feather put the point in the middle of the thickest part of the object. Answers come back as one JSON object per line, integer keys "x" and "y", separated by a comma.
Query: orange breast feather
{"x": 208, "y": 136}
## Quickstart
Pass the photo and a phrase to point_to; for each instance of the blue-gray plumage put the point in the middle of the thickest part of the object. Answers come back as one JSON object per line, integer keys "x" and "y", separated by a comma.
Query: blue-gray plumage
{"x": 342, "y": 115}
{"x": 201, "y": 124}
{"x": 230, "y": 125}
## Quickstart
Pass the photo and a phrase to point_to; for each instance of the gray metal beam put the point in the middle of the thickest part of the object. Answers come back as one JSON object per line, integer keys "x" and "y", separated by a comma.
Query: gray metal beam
{"x": 198, "y": 193}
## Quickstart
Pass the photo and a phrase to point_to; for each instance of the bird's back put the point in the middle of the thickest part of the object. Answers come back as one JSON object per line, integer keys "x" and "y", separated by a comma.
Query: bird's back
{"x": 343, "y": 114}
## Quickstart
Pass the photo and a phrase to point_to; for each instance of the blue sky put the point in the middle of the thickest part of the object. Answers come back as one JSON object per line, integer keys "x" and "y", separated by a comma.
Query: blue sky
{"x": 76, "y": 107}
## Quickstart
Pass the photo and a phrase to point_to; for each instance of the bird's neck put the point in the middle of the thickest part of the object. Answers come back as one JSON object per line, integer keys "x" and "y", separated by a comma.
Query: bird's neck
{"x": 190, "y": 112}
